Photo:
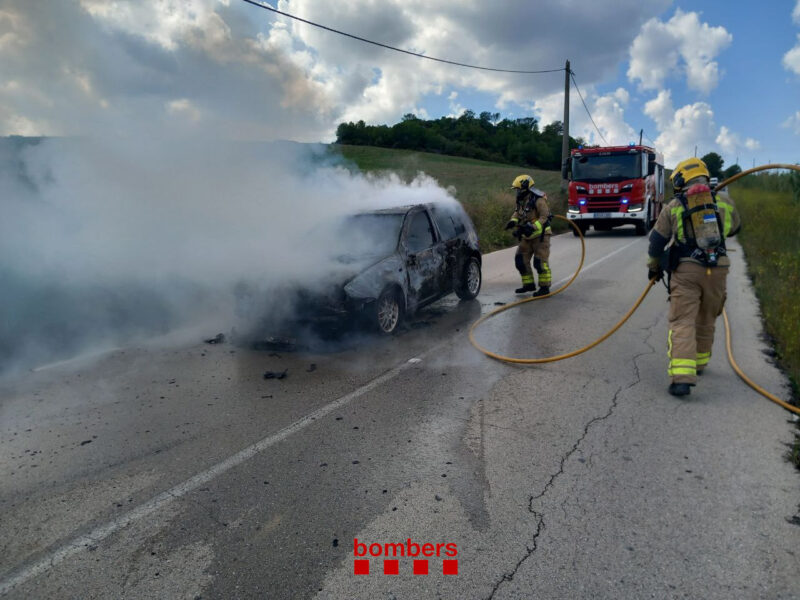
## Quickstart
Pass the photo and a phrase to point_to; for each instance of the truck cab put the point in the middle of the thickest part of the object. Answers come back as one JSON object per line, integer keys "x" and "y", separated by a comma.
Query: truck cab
{"x": 614, "y": 185}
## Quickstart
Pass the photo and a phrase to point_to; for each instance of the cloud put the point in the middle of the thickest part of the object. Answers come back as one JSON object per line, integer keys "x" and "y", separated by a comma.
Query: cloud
{"x": 479, "y": 33}
{"x": 251, "y": 75}
{"x": 609, "y": 115}
{"x": 791, "y": 60}
{"x": 681, "y": 45}
{"x": 730, "y": 142}
{"x": 118, "y": 67}
{"x": 691, "y": 126}
{"x": 607, "y": 110}
{"x": 793, "y": 122}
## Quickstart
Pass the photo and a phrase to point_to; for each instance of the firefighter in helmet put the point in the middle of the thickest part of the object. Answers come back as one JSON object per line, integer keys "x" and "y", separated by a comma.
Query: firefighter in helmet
{"x": 697, "y": 221}
{"x": 531, "y": 225}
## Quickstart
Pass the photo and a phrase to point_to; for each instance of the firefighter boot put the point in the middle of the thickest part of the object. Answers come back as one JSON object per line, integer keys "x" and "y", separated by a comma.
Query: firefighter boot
{"x": 526, "y": 287}
{"x": 543, "y": 291}
{"x": 680, "y": 389}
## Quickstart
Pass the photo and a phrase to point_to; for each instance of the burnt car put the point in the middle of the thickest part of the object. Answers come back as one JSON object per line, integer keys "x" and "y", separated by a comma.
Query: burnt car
{"x": 399, "y": 260}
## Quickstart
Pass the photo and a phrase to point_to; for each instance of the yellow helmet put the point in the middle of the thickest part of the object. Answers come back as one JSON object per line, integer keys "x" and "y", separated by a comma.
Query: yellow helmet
{"x": 687, "y": 170}
{"x": 523, "y": 183}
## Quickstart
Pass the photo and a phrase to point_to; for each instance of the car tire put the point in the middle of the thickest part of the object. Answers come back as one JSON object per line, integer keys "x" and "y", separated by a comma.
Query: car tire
{"x": 468, "y": 285}
{"x": 641, "y": 228}
{"x": 388, "y": 312}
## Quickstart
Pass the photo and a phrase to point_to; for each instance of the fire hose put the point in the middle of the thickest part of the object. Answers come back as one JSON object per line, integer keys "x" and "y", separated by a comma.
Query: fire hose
{"x": 605, "y": 336}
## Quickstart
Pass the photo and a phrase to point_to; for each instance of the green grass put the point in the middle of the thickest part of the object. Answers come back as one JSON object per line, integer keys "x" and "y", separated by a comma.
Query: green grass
{"x": 771, "y": 239}
{"x": 483, "y": 188}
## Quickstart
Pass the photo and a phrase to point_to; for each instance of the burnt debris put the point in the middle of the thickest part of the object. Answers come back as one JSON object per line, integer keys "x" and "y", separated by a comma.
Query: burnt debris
{"x": 276, "y": 374}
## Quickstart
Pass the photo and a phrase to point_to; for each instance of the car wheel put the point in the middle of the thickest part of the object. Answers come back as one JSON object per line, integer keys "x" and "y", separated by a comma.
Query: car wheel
{"x": 469, "y": 285}
{"x": 388, "y": 312}
{"x": 641, "y": 228}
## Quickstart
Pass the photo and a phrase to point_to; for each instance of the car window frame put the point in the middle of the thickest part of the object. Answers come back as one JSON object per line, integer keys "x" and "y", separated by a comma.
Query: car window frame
{"x": 407, "y": 229}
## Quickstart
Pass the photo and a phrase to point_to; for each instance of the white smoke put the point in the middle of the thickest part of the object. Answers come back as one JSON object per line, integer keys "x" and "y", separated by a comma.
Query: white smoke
{"x": 107, "y": 240}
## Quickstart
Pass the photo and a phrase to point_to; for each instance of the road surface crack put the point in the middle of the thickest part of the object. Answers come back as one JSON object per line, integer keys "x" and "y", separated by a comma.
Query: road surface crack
{"x": 540, "y": 524}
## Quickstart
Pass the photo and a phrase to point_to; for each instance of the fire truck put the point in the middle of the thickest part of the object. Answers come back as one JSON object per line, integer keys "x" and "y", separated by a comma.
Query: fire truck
{"x": 614, "y": 185}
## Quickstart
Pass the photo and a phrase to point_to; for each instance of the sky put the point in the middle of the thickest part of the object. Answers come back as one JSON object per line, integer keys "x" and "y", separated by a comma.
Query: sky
{"x": 710, "y": 74}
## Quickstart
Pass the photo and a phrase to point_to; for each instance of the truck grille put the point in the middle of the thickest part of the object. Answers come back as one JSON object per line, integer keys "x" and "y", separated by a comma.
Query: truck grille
{"x": 604, "y": 204}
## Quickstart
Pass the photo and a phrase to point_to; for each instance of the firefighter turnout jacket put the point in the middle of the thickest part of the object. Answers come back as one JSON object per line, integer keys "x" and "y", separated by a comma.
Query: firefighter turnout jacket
{"x": 697, "y": 283}
{"x": 532, "y": 218}
{"x": 672, "y": 223}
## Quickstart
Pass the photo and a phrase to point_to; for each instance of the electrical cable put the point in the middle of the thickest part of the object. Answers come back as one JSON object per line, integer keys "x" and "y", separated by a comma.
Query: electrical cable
{"x": 572, "y": 75}
{"x": 728, "y": 336}
{"x": 388, "y": 47}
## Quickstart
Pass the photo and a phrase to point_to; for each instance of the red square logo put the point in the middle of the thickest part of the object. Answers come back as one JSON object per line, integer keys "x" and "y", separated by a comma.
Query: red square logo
{"x": 450, "y": 567}
{"x": 391, "y": 567}
{"x": 420, "y": 567}
{"x": 360, "y": 567}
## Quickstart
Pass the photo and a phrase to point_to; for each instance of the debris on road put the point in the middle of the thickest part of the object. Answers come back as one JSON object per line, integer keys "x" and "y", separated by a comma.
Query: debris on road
{"x": 499, "y": 303}
{"x": 276, "y": 374}
{"x": 217, "y": 339}
{"x": 276, "y": 344}
{"x": 311, "y": 368}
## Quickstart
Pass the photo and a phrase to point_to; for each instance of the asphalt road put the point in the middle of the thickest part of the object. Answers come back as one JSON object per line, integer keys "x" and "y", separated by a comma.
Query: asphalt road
{"x": 180, "y": 472}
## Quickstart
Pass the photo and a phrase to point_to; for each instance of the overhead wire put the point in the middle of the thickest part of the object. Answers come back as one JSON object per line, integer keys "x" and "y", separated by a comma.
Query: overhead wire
{"x": 493, "y": 313}
{"x": 388, "y": 47}
{"x": 572, "y": 75}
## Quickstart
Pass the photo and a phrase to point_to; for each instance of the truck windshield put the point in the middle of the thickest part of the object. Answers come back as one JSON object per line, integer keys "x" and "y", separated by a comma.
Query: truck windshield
{"x": 609, "y": 167}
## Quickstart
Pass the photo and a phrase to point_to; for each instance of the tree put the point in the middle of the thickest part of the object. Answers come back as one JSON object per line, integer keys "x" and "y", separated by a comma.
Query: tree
{"x": 714, "y": 163}
{"x": 731, "y": 171}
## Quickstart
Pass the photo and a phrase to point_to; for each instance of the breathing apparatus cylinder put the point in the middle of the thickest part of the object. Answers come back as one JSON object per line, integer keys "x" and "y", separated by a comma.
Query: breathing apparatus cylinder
{"x": 705, "y": 225}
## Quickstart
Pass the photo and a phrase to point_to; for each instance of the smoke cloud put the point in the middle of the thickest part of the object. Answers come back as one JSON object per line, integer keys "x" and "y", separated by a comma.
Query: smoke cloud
{"x": 105, "y": 241}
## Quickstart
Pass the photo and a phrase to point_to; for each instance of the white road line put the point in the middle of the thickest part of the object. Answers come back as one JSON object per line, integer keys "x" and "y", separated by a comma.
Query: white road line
{"x": 585, "y": 268}
{"x": 98, "y": 534}
{"x": 101, "y": 532}
{"x": 599, "y": 260}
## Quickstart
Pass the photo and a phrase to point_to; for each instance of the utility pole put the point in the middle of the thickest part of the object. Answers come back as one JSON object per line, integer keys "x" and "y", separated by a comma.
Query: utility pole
{"x": 695, "y": 151}
{"x": 641, "y": 133}
{"x": 565, "y": 135}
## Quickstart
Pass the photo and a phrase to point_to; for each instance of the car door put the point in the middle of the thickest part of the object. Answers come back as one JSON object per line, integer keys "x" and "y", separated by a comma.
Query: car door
{"x": 424, "y": 259}
{"x": 451, "y": 243}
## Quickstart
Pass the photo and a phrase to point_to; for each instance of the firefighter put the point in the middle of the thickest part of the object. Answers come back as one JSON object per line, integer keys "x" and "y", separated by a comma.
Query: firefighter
{"x": 696, "y": 221}
{"x": 531, "y": 225}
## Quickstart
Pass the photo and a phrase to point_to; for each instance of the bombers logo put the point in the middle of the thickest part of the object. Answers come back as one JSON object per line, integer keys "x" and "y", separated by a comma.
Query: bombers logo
{"x": 419, "y": 553}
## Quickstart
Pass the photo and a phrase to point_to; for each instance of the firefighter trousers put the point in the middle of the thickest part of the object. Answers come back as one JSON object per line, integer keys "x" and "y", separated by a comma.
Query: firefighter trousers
{"x": 697, "y": 296}
{"x": 538, "y": 249}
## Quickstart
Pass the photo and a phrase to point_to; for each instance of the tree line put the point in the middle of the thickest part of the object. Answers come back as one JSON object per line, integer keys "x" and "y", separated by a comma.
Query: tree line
{"x": 485, "y": 137}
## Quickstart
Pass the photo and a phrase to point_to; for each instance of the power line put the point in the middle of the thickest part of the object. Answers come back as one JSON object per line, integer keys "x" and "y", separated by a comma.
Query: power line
{"x": 361, "y": 39}
{"x": 572, "y": 74}
{"x": 650, "y": 140}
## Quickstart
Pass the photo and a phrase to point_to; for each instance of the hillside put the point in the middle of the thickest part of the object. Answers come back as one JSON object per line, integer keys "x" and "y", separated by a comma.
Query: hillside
{"x": 482, "y": 187}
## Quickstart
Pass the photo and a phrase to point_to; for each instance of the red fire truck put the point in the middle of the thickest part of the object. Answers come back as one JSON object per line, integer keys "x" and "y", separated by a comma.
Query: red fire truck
{"x": 615, "y": 185}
